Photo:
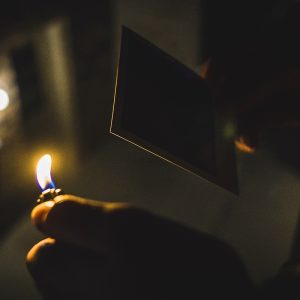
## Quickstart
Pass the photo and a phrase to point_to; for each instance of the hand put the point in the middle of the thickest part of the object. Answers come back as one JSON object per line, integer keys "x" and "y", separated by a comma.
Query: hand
{"x": 259, "y": 80}
{"x": 100, "y": 250}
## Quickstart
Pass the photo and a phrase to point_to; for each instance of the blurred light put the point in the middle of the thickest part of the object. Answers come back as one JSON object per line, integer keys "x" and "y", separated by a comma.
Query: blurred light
{"x": 241, "y": 144}
{"x": 229, "y": 130}
{"x": 43, "y": 172}
{"x": 4, "y": 100}
{"x": 204, "y": 69}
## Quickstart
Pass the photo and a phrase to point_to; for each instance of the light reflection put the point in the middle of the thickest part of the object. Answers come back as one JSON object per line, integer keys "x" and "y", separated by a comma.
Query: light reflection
{"x": 241, "y": 145}
{"x": 4, "y": 100}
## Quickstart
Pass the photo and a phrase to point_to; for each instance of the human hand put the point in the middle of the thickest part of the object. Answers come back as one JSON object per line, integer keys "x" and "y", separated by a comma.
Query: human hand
{"x": 100, "y": 250}
{"x": 258, "y": 80}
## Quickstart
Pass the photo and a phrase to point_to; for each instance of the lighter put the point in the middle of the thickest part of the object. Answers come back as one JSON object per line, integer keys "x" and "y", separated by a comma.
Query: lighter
{"x": 43, "y": 173}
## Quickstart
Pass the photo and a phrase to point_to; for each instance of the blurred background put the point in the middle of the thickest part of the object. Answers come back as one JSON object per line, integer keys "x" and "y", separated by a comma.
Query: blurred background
{"x": 57, "y": 72}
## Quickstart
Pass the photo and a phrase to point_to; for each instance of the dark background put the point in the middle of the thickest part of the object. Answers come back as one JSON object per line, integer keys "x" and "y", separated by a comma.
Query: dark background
{"x": 58, "y": 61}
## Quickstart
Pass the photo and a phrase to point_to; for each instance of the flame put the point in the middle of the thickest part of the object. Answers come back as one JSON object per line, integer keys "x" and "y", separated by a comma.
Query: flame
{"x": 43, "y": 172}
{"x": 241, "y": 144}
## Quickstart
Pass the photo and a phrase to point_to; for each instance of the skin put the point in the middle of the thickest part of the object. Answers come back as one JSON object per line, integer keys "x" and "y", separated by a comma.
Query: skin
{"x": 101, "y": 250}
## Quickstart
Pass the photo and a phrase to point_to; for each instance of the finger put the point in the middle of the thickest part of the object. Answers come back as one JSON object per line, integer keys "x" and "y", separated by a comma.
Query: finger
{"x": 111, "y": 228}
{"x": 62, "y": 271}
{"x": 95, "y": 225}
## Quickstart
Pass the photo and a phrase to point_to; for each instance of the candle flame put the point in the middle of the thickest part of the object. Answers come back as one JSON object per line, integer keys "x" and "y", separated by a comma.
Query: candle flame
{"x": 43, "y": 172}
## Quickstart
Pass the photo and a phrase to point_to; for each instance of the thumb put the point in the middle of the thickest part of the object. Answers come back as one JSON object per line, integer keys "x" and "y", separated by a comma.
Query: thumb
{"x": 93, "y": 225}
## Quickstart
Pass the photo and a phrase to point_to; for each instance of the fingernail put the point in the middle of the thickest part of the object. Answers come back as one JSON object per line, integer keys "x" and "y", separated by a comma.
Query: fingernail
{"x": 40, "y": 212}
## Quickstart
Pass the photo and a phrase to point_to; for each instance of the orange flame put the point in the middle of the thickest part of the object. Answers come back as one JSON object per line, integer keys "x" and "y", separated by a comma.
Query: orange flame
{"x": 241, "y": 145}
